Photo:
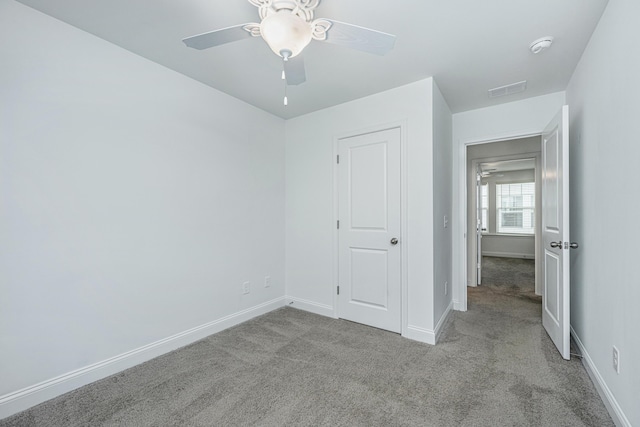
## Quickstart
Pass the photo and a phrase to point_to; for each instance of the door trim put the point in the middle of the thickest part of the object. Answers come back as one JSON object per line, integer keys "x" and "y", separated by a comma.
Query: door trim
{"x": 404, "y": 291}
{"x": 460, "y": 241}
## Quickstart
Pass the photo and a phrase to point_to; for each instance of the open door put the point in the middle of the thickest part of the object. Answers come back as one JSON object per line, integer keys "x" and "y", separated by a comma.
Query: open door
{"x": 479, "y": 226}
{"x": 555, "y": 231}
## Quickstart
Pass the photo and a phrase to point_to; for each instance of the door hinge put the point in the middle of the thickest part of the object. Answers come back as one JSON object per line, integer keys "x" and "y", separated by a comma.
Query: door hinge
{"x": 338, "y": 159}
{"x": 338, "y": 290}
{"x": 338, "y": 224}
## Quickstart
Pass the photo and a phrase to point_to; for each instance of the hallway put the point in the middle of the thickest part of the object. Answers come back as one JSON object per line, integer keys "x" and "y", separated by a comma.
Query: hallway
{"x": 523, "y": 370}
{"x": 514, "y": 276}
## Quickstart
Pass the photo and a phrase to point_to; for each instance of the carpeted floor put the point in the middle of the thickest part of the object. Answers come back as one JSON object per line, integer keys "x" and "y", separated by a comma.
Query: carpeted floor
{"x": 494, "y": 366}
{"x": 514, "y": 276}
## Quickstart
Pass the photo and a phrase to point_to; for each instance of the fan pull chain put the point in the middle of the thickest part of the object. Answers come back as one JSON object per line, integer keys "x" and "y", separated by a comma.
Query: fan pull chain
{"x": 284, "y": 79}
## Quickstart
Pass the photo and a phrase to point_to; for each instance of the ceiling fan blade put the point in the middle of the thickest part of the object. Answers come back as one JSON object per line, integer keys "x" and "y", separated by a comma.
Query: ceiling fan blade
{"x": 360, "y": 38}
{"x": 217, "y": 37}
{"x": 294, "y": 71}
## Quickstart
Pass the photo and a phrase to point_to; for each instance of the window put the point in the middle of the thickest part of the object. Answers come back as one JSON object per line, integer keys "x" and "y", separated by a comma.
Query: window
{"x": 515, "y": 208}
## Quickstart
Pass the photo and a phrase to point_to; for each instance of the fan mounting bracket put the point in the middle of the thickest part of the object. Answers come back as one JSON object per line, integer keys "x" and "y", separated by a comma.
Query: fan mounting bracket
{"x": 303, "y": 8}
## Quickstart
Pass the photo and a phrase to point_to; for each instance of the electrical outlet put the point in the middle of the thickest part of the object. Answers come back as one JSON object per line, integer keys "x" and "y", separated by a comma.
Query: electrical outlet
{"x": 446, "y": 221}
{"x": 246, "y": 288}
{"x": 446, "y": 288}
{"x": 616, "y": 359}
{"x": 267, "y": 281}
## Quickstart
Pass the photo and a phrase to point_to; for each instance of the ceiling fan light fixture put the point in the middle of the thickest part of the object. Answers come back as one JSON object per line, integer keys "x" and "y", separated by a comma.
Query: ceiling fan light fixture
{"x": 286, "y": 32}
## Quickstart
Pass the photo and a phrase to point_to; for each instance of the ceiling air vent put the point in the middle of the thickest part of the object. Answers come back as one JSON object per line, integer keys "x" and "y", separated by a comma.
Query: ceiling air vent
{"x": 508, "y": 89}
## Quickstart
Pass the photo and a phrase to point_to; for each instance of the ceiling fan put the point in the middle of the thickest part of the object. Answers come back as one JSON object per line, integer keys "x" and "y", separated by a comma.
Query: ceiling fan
{"x": 288, "y": 26}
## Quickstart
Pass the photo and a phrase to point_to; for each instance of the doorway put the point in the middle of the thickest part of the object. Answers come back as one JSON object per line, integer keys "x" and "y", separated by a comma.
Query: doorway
{"x": 504, "y": 207}
{"x": 506, "y": 217}
{"x": 553, "y": 240}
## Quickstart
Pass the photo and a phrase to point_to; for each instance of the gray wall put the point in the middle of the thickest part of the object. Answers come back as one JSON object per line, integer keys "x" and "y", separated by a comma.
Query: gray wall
{"x": 442, "y": 204}
{"x": 133, "y": 201}
{"x": 520, "y": 246}
{"x": 311, "y": 263}
{"x": 603, "y": 99}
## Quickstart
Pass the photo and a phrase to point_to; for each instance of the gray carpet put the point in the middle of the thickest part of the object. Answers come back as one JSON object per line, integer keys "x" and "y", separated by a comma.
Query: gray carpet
{"x": 494, "y": 366}
{"x": 514, "y": 276}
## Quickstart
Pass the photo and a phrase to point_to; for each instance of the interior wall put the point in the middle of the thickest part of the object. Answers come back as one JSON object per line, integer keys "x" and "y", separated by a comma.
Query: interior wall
{"x": 442, "y": 204}
{"x": 134, "y": 201}
{"x": 514, "y": 246}
{"x": 310, "y": 217}
{"x": 603, "y": 99}
{"x": 505, "y": 121}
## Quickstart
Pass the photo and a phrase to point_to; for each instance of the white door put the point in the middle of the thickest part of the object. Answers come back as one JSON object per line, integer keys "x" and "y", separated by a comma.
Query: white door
{"x": 555, "y": 230}
{"x": 479, "y": 227}
{"x": 369, "y": 267}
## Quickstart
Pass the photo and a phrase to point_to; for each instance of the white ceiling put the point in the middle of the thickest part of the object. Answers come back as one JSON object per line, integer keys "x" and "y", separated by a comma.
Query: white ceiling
{"x": 508, "y": 165}
{"x": 468, "y": 46}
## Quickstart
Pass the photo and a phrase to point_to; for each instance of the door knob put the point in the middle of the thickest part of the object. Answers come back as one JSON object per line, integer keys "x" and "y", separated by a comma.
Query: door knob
{"x": 394, "y": 241}
{"x": 556, "y": 244}
{"x": 574, "y": 245}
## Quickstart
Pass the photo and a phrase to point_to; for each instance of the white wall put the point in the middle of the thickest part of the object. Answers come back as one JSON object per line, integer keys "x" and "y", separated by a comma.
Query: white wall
{"x": 509, "y": 246}
{"x": 442, "y": 204}
{"x": 133, "y": 201}
{"x": 310, "y": 216}
{"x": 505, "y": 121}
{"x": 603, "y": 98}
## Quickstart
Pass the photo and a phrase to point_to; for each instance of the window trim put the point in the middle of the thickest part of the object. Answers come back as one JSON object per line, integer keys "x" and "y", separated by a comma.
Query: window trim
{"x": 528, "y": 208}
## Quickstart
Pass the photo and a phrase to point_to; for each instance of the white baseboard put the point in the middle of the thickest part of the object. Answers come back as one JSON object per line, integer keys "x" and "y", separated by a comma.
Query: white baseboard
{"x": 30, "y": 396}
{"x": 610, "y": 402}
{"x": 429, "y": 336}
{"x": 310, "y": 306}
{"x": 508, "y": 255}
{"x": 417, "y": 333}
{"x": 443, "y": 321}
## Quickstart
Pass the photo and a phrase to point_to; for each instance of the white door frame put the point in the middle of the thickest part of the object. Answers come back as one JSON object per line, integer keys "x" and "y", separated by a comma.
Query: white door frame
{"x": 404, "y": 239}
{"x": 478, "y": 223}
{"x": 463, "y": 233}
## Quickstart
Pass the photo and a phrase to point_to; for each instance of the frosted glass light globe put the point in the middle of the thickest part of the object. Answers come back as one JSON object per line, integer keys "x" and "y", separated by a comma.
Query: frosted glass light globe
{"x": 284, "y": 31}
